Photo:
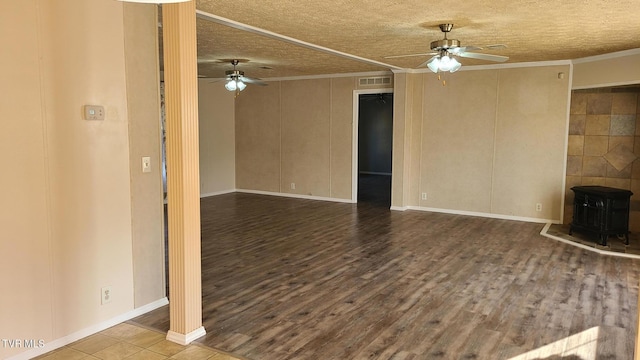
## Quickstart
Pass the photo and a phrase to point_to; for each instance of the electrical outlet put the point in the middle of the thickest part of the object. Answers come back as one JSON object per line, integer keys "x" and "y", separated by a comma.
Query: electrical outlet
{"x": 293, "y": 186}
{"x": 538, "y": 207}
{"x": 424, "y": 196}
{"x": 107, "y": 295}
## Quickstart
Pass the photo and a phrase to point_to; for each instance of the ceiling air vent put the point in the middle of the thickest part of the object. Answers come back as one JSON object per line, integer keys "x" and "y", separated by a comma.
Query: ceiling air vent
{"x": 373, "y": 81}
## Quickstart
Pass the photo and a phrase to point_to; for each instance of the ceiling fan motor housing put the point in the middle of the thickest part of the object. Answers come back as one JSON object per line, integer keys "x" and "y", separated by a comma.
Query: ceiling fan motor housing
{"x": 234, "y": 73}
{"x": 445, "y": 44}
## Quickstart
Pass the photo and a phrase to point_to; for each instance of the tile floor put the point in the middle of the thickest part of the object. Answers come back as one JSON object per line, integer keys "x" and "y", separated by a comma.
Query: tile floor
{"x": 614, "y": 244}
{"x": 132, "y": 342}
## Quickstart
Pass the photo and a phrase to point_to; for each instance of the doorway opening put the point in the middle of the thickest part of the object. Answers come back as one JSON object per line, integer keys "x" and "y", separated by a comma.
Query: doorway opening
{"x": 374, "y": 147}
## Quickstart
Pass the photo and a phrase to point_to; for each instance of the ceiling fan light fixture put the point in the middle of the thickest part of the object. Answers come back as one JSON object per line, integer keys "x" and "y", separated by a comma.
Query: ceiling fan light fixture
{"x": 231, "y": 85}
{"x": 456, "y": 65}
{"x": 433, "y": 65}
{"x": 235, "y": 84}
{"x": 445, "y": 63}
{"x": 236, "y": 81}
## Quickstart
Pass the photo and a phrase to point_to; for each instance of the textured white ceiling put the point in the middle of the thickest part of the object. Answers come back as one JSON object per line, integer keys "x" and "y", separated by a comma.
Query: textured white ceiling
{"x": 533, "y": 30}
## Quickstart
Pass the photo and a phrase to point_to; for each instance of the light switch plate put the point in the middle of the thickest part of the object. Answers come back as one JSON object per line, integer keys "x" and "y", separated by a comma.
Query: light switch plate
{"x": 146, "y": 164}
{"x": 93, "y": 112}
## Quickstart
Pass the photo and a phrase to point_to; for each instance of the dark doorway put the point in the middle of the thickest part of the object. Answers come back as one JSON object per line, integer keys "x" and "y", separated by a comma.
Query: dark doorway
{"x": 375, "y": 140}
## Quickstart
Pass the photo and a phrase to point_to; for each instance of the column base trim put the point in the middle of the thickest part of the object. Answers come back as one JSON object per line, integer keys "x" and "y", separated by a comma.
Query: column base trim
{"x": 186, "y": 339}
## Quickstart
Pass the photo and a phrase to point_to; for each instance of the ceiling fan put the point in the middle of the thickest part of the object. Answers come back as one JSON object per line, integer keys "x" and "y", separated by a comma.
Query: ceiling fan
{"x": 445, "y": 51}
{"x": 236, "y": 81}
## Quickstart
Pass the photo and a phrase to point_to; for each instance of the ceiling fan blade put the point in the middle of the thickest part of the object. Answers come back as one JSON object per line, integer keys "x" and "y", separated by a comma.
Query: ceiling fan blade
{"x": 249, "y": 80}
{"x": 208, "y": 61}
{"x": 427, "y": 62}
{"x": 488, "y": 57}
{"x": 496, "y": 46}
{"x": 461, "y": 49}
{"x": 408, "y": 55}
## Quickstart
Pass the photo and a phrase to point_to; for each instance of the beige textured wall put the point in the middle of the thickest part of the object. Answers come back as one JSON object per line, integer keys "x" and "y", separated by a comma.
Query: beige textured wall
{"x": 69, "y": 228}
{"x": 606, "y": 72}
{"x": 143, "y": 99}
{"x": 472, "y": 145}
{"x": 25, "y": 310}
{"x": 341, "y": 137}
{"x": 492, "y": 141}
{"x": 414, "y": 146}
{"x": 298, "y": 132}
{"x": 258, "y": 138}
{"x": 407, "y": 125}
{"x": 216, "y": 112}
{"x": 402, "y": 95}
{"x": 530, "y": 142}
{"x": 306, "y": 129}
{"x": 458, "y": 141}
{"x": 88, "y": 161}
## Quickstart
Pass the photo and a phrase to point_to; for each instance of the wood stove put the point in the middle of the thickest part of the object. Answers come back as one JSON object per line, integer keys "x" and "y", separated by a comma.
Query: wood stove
{"x": 602, "y": 211}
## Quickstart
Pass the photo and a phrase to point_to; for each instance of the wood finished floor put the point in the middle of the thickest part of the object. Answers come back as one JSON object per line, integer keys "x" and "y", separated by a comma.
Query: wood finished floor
{"x": 299, "y": 279}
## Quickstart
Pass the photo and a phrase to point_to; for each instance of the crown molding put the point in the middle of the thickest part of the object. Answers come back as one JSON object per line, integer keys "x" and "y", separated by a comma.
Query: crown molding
{"x": 311, "y": 77}
{"x": 608, "y": 56}
{"x": 270, "y": 34}
{"x": 329, "y": 76}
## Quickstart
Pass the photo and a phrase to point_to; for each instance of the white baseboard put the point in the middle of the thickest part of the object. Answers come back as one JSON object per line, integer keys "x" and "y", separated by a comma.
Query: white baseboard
{"x": 58, "y": 343}
{"x": 297, "y": 196}
{"x": 398, "y": 208}
{"x": 394, "y": 208}
{"x": 486, "y": 215}
{"x": 186, "y": 339}
{"x": 217, "y": 193}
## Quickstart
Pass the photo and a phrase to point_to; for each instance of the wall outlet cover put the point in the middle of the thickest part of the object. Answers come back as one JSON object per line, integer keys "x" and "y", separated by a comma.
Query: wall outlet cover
{"x": 106, "y": 295}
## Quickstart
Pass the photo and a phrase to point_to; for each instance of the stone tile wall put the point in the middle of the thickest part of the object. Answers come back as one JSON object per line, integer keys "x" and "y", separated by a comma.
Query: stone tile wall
{"x": 604, "y": 144}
